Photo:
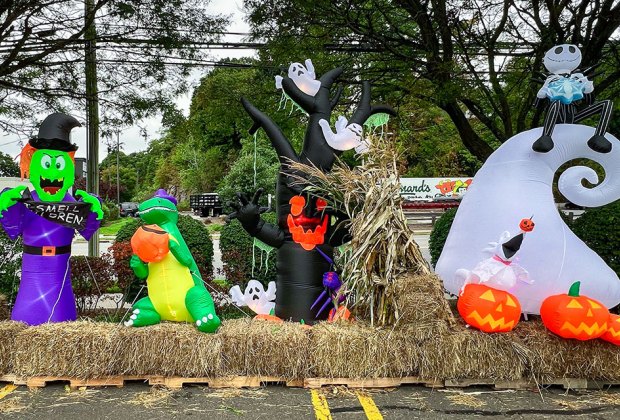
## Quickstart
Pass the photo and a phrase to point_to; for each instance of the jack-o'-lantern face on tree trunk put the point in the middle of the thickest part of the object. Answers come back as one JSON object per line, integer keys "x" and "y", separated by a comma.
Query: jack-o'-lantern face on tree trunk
{"x": 613, "y": 330}
{"x": 573, "y": 316}
{"x": 489, "y": 309}
{"x": 307, "y": 226}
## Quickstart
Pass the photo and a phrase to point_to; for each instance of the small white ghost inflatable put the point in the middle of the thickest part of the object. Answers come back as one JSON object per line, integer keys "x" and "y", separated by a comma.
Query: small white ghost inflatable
{"x": 500, "y": 271}
{"x": 346, "y": 137}
{"x": 255, "y": 297}
{"x": 303, "y": 77}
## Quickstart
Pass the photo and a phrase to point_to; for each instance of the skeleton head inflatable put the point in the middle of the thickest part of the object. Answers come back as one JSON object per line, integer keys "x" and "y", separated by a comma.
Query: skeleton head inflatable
{"x": 255, "y": 297}
{"x": 562, "y": 59}
{"x": 303, "y": 77}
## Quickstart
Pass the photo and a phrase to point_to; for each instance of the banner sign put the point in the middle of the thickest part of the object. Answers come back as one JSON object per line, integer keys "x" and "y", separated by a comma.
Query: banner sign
{"x": 71, "y": 214}
{"x": 429, "y": 189}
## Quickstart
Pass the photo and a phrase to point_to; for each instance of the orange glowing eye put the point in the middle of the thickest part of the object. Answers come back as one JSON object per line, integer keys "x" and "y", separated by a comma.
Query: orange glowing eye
{"x": 297, "y": 203}
{"x": 320, "y": 204}
{"x": 594, "y": 305}
{"x": 573, "y": 304}
{"x": 488, "y": 295}
{"x": 510, "y": 302}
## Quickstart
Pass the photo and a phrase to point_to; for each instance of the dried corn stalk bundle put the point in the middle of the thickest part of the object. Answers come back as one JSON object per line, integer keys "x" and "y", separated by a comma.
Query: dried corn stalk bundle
{"x": 382, "y": 247}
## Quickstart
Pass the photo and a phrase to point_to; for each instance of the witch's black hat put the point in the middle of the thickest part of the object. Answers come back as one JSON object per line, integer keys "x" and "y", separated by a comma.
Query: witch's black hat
{"x": 54, "y": 133}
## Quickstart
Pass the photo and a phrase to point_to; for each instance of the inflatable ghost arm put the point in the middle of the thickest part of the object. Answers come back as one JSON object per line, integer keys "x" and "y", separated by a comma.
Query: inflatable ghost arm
{"x": 270, "y": 294}
{"x": 237, "y": 296}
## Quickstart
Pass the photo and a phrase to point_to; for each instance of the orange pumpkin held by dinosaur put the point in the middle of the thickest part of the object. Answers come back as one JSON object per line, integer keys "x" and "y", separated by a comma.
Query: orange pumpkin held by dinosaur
{"x": 573, "y": 316}
{"x": 488, "y": 309}
{"x": 613, "y": 330}
{"x": 150, "y": 243}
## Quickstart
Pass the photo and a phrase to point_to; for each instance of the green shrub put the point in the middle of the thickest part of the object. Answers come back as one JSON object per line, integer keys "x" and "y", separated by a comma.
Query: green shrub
{"x": 111, "y": 211}
{"x": 183, "y": 205}
{"x": 599, "y": 228}
{"x": 196, "y": 236}
{"x": 439, "y": 234}
{"x": 236, "y": 246}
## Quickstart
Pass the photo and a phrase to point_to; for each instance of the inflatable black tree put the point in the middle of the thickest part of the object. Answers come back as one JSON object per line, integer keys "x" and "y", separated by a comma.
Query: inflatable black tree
{"x": 303, "y": 221}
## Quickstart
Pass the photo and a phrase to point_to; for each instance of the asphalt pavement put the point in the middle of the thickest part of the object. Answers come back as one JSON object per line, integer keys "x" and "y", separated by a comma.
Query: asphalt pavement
{"x": 139, "y": 401}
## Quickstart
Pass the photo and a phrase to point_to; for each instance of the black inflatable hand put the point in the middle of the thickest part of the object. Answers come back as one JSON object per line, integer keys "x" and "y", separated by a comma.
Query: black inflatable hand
{"x": 247, "y": 212}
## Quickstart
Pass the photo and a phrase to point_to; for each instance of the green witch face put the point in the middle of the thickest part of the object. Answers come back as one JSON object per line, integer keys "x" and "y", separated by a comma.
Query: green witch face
{"x": 52, "y": 173}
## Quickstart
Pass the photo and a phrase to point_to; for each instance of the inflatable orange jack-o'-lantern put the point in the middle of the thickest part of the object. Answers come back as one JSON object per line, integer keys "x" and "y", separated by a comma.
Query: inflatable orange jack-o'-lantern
{"x": 526, "y": 225}
{"x": 573, "y": 316}
{"x": 150, "y": 243}
{"x": 307, "y": 231}
{"x": 613, "y": 330}
{"x": 488, "y": 309}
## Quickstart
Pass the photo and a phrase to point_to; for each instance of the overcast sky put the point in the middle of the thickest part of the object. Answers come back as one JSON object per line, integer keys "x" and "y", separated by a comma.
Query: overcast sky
{"x": 131, "y": 137}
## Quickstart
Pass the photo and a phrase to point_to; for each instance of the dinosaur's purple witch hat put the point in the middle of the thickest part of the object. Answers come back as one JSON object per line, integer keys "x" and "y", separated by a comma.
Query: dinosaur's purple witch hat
{"x": 161, "y": 193}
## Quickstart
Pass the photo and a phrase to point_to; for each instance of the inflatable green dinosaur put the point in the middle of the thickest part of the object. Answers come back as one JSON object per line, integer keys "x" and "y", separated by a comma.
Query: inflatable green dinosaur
{"x": 176, "y": 291}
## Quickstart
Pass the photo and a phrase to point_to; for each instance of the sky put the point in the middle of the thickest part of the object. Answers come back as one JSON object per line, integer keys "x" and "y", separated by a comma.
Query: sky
{"x": 131, "y": 138}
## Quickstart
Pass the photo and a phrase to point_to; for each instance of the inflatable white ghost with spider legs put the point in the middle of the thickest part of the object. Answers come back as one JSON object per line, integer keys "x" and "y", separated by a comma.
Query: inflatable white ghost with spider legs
{"x": 517, "y": 181}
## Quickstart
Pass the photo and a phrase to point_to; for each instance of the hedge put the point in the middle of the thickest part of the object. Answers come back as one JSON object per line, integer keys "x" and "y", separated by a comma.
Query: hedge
{"x": 236, "y": 246}
{"x": 439, "y": 234}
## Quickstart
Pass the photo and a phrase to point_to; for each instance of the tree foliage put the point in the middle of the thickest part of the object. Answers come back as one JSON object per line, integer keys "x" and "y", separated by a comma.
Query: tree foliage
{"x": 474, "y": 60}
{"x": 145, "y": 50}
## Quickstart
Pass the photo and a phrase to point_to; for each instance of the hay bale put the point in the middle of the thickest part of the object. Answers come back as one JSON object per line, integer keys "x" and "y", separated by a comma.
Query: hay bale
{"x": 262, "y": 348}
{"x": 355, "y": 350}
{"x": 552, "y": 357}
{"x": 168, "y": 349}
{"x": 421, "y": 303}
{"x": 77, "y": 349}
{"x": 8, "y": 333}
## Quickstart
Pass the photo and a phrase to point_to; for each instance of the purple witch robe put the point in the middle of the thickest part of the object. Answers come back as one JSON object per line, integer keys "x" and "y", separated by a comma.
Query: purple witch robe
{"x": 45, "y": 293}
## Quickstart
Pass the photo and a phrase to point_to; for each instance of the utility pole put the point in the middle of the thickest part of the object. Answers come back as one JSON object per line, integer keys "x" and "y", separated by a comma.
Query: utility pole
{"x": 92, "y": 112}
{"x": 118, "y": 183}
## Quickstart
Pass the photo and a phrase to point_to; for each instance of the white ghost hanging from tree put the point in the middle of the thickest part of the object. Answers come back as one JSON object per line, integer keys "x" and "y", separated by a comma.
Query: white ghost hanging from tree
{"x": 303, "y": 77}
{"x": 346, "y": 137}
{"x": 255, "y": 297}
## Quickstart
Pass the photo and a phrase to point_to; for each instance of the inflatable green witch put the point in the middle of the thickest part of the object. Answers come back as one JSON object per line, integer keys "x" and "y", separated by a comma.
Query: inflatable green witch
{"x": 47, "y": 219}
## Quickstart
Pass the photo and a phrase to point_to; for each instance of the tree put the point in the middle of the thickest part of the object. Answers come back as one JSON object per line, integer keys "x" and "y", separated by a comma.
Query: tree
{"x": 303, "y": 223}
{"x": 474, "y": 59}
{"x": 145, "y": 52}
{"x": 8, "y": 167}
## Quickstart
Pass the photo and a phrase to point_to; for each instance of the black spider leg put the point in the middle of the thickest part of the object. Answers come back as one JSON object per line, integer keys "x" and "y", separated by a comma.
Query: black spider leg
{"x": 598, "y": 142}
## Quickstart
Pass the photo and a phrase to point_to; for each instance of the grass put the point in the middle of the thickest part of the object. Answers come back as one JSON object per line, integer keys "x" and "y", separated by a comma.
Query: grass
{"x": 112, "y": 228}
{"x": 214, "y": 227}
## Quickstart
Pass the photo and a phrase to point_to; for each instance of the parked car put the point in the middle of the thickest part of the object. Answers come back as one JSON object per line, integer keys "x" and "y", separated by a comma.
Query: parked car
{"x": 128, "y": 209}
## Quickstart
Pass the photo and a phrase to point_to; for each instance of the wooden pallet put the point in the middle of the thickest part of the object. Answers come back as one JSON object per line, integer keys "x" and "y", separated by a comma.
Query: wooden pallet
{"x": 312, "y": 383}
{"x": 371, "y": 382}
{"x": 170, "y": 381}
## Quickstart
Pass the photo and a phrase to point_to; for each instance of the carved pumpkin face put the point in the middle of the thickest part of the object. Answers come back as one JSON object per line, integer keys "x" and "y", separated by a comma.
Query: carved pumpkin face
{"x": 613, "y": 330}
{"x": 307, "y": 231}
{"x": 150, "y": 243}
{"x": 488, "y": 309}
{"x": 526, "y": 225}
{"x": 573, "y": 316}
